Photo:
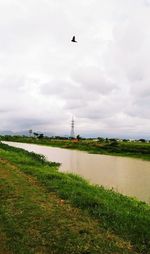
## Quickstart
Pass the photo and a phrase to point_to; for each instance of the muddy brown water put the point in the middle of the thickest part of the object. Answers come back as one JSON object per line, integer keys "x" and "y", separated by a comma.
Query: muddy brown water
{"x": 128, "y": 176}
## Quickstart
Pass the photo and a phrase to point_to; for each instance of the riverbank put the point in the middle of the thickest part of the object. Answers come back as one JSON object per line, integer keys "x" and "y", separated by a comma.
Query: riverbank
{"x": 129, "y": 149}
{"x": 45, "y": 211}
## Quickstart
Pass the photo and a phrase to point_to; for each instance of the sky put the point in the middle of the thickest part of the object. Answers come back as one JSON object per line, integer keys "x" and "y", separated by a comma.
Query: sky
{"x": 103, "y": 81}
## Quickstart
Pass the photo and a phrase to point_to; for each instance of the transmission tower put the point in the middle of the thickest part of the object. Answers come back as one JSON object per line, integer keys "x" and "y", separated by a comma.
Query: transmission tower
{"x": 72, "y": 133}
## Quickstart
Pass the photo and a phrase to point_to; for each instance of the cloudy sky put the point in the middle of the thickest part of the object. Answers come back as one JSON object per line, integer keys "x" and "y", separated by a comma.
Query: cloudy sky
{"x": 103, "y": 81}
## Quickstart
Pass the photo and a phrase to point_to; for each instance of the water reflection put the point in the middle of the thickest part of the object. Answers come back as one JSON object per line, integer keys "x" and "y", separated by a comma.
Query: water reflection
{"x": 126, "y": 175}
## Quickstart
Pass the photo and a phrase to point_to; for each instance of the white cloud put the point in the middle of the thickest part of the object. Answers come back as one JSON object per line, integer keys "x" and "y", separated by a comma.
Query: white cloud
{"x": 103, "y": 80}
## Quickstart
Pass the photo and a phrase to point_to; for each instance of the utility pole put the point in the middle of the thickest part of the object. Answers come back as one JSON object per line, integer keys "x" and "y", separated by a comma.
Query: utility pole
{"x": 30, "y": 133}
{"x": 72, "y": 133}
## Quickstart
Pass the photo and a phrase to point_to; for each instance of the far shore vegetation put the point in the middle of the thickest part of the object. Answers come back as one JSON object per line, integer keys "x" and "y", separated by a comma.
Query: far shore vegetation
{"x": 45, "y": 211}
{"x": 131, "y": 148}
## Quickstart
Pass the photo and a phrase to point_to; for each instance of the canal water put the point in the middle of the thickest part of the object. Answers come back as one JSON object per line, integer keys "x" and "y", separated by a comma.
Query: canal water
{"x": 125, "y": 175}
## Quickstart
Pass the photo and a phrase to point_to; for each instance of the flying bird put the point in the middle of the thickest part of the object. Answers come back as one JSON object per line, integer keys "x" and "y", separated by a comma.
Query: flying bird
{"x": 73, "y": 39}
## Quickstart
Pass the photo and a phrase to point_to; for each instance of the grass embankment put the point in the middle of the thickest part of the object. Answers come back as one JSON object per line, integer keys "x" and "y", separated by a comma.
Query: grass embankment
{"x": 131, "y": 149}
{"x": 45, "y": 211}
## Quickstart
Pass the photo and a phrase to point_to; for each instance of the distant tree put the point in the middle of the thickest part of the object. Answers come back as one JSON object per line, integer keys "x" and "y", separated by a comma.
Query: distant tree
{"x": 35, "y": 134}
{"x": 100, "y": 139}
{"x": 114, "y": 143}
{"x": 142, "y": 140}
{"x": 113, "y": 139}
{"x": 40, "y": 136}
{"x": 79, "y": 137}
{"x": 60, "y": 137}
{"x": 106, "y": 140}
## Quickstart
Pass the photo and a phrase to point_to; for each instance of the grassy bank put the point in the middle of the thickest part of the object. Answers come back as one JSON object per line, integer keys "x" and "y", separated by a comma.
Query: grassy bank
{"x": 45, "y": 211}
{"x": 131, "y": 149}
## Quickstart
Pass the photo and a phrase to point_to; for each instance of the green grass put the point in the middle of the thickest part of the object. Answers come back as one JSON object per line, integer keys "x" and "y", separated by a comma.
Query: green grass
{"x": 131, "y": 149}
{"x": 45, "y": 211}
